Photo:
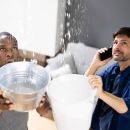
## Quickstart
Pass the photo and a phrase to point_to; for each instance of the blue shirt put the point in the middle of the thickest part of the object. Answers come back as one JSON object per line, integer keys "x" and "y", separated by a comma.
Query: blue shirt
{"x": 118, "y": 121}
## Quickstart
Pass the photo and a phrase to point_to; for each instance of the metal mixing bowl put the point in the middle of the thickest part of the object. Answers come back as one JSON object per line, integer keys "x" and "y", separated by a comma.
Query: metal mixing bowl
{"x": 24, "y": 84}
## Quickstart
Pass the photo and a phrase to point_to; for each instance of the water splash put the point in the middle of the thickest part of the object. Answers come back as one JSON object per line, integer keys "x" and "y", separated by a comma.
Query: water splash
{"x": 32, "y": 69}
{"x": 68, "y": 2}
{"x": 33, "y": 59}
{"x": 24, "y": 55}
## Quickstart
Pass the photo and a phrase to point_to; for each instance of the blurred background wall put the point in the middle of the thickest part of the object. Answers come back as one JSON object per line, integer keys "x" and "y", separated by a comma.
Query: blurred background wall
{"x": 94, "y": 21}
{"x": 46, "y": 26}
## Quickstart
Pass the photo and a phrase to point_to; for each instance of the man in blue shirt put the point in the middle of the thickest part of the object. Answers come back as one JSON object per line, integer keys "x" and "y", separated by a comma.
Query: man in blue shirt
{"x": 113, "y": 85}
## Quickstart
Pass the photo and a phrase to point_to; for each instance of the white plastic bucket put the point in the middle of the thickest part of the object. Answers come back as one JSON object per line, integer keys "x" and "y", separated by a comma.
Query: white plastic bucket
{"x": 73, "y": 101}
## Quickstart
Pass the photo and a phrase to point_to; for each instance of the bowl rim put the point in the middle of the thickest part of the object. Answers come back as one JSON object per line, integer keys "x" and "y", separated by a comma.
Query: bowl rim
{"x": 4, "y": 88}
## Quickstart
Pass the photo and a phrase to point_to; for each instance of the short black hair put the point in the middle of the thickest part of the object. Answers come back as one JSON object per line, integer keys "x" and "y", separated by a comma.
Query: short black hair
{"x": 122, "y": 31}
{"x": 8, "y": 35}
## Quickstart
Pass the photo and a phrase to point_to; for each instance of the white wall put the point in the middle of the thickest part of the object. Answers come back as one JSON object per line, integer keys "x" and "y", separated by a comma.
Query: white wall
{"x": 34, "y": 23}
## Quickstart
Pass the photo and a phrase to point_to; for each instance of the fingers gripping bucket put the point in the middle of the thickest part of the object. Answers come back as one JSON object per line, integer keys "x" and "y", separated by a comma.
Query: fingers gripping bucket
{"x": 72, "y": 101}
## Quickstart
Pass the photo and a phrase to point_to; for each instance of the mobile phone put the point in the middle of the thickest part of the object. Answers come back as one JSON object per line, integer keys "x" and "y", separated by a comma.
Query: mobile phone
{"x": 107, "y": 54}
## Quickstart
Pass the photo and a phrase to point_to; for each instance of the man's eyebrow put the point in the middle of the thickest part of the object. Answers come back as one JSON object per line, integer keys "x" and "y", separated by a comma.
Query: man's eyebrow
{"x": 124, "y": 40}
{"x": 121, "y": 40}
{"x": 2, "y": 45}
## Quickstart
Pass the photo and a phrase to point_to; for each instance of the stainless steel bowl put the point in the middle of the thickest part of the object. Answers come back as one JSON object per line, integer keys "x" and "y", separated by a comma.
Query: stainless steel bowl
{"x": 24, "y": 84}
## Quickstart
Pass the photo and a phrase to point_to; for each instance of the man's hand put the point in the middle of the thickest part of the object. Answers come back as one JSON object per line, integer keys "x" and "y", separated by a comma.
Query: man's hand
{"x": 97, "y": 63}
{"x": 44, "y": 108}
{"x": 96, "y": 82}
{"x": 5, "y": 104}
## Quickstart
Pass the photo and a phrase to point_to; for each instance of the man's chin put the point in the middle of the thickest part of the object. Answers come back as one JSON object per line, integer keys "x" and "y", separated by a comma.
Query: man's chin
{"x": 116, "y": 58}
{"x": 121, "y": 59}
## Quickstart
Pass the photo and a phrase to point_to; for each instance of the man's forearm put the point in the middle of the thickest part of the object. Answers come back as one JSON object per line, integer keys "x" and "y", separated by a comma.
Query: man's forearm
{"x": 115, "y": 102}
{"x": 91, "y": 70}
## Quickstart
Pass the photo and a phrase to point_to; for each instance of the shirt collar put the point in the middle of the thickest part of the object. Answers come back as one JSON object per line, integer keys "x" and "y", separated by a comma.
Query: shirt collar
{"x": 126, "y": 71}
{"x": 116, "y": 70}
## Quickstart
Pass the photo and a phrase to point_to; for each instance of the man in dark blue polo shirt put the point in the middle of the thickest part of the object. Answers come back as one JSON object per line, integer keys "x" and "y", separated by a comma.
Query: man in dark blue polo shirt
{"x": 113, "y": 85}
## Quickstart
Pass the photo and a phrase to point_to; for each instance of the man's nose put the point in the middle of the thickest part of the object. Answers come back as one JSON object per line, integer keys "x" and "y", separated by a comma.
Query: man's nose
{"x": 9, "y": 53}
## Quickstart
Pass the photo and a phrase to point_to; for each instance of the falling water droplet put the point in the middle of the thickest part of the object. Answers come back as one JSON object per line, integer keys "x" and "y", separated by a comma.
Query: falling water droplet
{"x": 24, "y": 55}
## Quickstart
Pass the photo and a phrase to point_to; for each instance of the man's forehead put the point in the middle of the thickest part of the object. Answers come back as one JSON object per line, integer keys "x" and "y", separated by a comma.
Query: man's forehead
{"x": 7, "y": 41}
{"x": 122, "y": 37}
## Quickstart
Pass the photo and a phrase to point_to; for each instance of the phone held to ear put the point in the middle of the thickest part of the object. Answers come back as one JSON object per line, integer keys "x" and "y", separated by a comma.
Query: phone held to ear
{"x": 107, "y": 54}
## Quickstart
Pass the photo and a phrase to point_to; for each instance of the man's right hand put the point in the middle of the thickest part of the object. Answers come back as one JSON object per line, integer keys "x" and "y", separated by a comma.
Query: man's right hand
{"x": 96, "y": 63}
{"x": 5, "y": 104}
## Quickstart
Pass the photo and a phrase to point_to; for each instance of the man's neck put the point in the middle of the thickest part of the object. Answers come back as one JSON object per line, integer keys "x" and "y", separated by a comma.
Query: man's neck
{"x": 124, "y": 64}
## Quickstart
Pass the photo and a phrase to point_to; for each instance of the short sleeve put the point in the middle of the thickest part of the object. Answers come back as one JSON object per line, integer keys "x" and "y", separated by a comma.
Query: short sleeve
{"x": 127, "y": 101}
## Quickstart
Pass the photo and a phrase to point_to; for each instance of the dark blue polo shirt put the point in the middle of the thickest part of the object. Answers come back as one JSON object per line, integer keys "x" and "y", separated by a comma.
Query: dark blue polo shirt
{"x": 118, "y": 121}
